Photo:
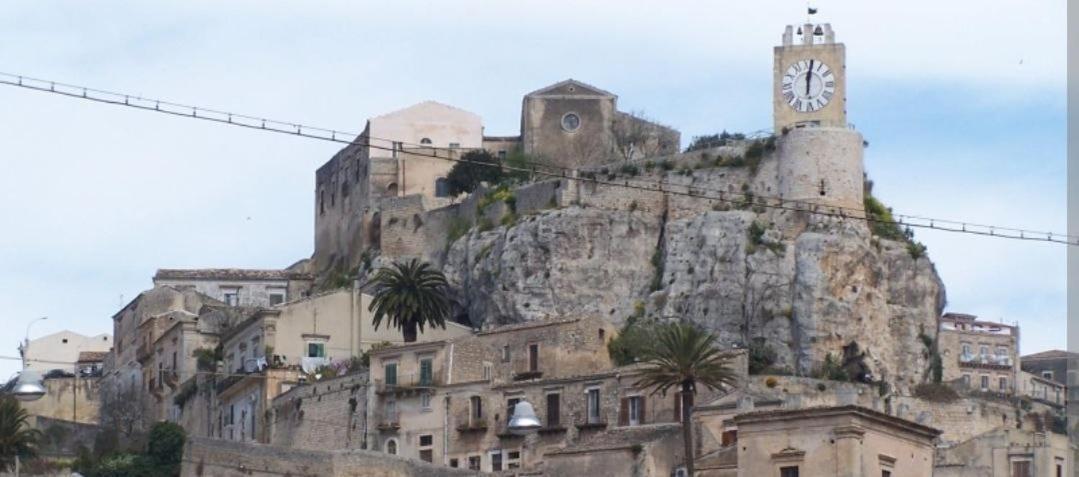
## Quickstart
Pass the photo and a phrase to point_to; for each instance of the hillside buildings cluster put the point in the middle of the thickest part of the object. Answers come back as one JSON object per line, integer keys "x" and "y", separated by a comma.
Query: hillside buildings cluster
{"x": 277, "y": 372}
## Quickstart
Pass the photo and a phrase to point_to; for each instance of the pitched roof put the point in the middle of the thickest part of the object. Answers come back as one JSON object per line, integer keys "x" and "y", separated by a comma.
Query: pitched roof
{"x": 225, "y": 274}
{"x": 1051, "y": 354}
{"x": 422, "y": 104}
{"x": 790, "y": 414}
{"x": 571, "y": 82}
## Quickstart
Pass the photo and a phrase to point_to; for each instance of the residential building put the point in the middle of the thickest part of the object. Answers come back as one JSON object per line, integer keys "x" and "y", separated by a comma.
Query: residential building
{"x": 979, "y": 355}
{"x": 1046, "y": 391}
{"x": 1008, "y": 452}
{"x": 267, "y": 354}
{"x": 1051, "y": 365}
{"x": 843, "y": 440}
{"x": 60, "y": 350}
{"x": 239, "y": 287}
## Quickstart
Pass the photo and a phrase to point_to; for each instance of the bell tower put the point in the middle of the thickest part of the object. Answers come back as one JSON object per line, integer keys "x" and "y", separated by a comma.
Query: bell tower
{"x": 809, "y": 78}
{"x": 820, "y": 156}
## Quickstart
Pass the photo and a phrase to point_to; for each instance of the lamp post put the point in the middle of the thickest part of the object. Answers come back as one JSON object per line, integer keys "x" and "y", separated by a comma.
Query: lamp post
{"x": 28, "y": 386}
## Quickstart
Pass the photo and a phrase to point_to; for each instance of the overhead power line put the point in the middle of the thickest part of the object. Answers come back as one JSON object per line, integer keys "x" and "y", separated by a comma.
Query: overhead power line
{"x": 535, "y": 169}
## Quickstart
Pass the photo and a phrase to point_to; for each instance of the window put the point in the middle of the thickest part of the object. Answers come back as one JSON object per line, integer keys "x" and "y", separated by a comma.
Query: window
{"x": 985, "y": 382}
{"x": 571, "y": 122}
{"x": 486, "y": 371}
{"x": 426, "y": 378}
{"x": 474, "y": 462}
{"x": 533, "y": 357}
{"x": 633, "y": 409}
{"x": 453, "y": 462}
{"x": 502, "y": 155}
{"x": 321, "y": 202}
{"x": 506, "y": 354}
{"x": 966, "y": 349}
{"x": 513, "y": 460}
{"x": 554, "y": 410}
{"x": 885, "y": 473}
{"x": 425, "y": 141}
{"x": 277, "y": 298}
{"x": 496, "y": 461}
{"x": 983, "y": 350}
{"x": 1002, "y": 351}
{"x": 442, "y": 187}
{"x": 174, "y": 361}
{"x": 511, "y": 405}
{"x": 1003, "y": 383}
{"x": 476, "y": 406}
{"x": 425, "y": 400}
{"x": 1047, "y": 375}
{"x": 426, "y": 455}
{"x": 966, "y": 380}
{"x": 391, "y": 447}
{"x": 426, "y": 440}
{"x": 316, "y": 350}
{"x": 788, "y": 471}
{"x": 593, "y": 406}
{"x": 1021, "y": 468}
{"x": 232, "y": 297}
{"x": 455, "y": 145}
{"x": 390, "y": 371}
{"x": 391, "y": 190}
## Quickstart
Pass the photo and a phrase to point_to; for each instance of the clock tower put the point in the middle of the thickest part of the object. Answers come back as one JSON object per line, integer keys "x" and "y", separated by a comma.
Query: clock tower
{"x": 810, "y": 84}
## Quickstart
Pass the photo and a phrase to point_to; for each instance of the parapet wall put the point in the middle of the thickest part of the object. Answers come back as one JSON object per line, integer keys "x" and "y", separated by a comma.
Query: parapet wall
{"x": 326, "y": 415}
{"x": 218, "y": 458}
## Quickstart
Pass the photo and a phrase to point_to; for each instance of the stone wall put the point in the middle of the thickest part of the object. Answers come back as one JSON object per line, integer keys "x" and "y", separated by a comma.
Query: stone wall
{"x": 68, "y": 399}
{"x": 207, "y": 457}
{"x": 325, "y": 415}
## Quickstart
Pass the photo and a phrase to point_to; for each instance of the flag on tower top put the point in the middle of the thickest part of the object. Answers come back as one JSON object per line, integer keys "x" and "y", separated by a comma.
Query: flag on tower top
{"x": 812, "y": 11}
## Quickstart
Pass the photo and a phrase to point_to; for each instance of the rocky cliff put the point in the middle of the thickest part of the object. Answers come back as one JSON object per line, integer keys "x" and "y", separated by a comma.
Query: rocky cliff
{"x": 804, "y": 285}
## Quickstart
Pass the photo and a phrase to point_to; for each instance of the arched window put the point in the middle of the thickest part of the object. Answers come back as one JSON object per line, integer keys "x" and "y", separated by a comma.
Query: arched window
{"x": 425, "y": 141}
{"x": 391, "y": 446}
{"x": 442, "y": 187}
{"x": 391, "y": 190}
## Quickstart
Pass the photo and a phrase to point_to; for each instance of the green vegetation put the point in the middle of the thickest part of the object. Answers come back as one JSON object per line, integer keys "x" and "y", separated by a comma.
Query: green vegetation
{"x": 936, "y": 392}
{"x": 713, "y": 140}
{"x": 457, "y": 228}
{"x": 632, "y": 340}
{"x": 629, "y": 169}
{"x": 187, "y": 391}
{"x": 684, "y": 357}
{"x": 206, "y": 359}
{"x": 16, "y": 436}
{"x": 410, "y": 296}
{"x": 761, "y": 356}
{"x": 935, "y": 368}
{"x": 831, "y": 369}
{"x": 475, "y": 167}
{"x": 162, "y": 456}
{"x": 657, "y": 269}
{"x": 755, "y": 238}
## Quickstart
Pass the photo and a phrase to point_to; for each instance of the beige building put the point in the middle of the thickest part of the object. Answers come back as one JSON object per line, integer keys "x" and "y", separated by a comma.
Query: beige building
{"x": 238, "y": 287}
{"x": 1043, "y": 390}
{"x": 268, "y": 353}
{"x": 61, "y": 350}
{"x": 1008, "y": 452}
{"x": 844, "y": 441}
{"x": 979, "y": 355}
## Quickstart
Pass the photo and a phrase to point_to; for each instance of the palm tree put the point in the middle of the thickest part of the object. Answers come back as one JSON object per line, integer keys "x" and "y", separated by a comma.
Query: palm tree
{"x": 16, "y": 438}
{"x": 683, "y": 356}
{"x": 412, "y": 295}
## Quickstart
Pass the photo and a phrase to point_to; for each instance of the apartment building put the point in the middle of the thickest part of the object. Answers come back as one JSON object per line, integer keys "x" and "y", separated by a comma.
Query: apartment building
{"x": 979, "y": 355}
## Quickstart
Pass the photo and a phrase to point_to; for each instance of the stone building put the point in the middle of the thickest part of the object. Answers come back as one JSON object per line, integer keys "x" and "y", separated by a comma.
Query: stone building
{"x": 1051, "y": 365}
{"x": 1007, "y": 452}
{"x": 844, "y": 440}
{"x": 238, "y": 287}
{"x": 407, "y": 154}
{"x": 1042, "y": 390}
{"x": 61, "y": 350}
{"x": 979, "y": 355}
{"x": 269, "y": 352}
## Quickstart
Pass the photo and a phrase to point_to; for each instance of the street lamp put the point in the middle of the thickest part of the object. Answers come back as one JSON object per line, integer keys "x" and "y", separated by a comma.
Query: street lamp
{"x": 26, "y": 340}
{"x": 524, "y": 419}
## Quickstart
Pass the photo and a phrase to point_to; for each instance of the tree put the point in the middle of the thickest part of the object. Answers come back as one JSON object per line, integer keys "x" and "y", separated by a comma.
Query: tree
{"x": 475, "y": 167}
{"x": 16, "y": 436}
{"x": 683, "y": 356}
{"x": 123, "y": 409}
{"x": 165, "y": 448}
{"x": 411, "y": 295}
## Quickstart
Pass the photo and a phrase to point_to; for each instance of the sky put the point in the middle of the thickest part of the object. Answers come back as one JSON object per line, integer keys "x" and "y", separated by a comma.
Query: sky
{"x": 962, "y": 102}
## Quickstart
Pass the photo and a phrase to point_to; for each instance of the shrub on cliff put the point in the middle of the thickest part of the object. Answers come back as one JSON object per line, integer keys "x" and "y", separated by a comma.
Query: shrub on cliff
{"x": 475, "y": 167}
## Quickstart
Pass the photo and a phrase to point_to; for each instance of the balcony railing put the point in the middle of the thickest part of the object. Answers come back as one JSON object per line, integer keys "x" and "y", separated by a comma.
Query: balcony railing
{"x": 407, "y": 382}
{"x": 469, "y": 423}
{"x": 389, "y": 421}
{"x": 988, "y": 360}
{"x": 592, "y": 422}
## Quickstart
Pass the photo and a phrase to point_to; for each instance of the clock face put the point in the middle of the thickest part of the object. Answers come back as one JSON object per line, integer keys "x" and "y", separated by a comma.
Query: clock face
{"x": 808, "y": 85}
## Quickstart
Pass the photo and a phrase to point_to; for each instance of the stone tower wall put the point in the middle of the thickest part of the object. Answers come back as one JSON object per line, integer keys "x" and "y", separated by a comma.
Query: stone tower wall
{"x": 822, "y": 166}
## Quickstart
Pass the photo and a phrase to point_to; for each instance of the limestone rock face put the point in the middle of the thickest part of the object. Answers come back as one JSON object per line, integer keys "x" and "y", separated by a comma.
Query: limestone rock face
{"x": 806, "y": 286}
{"x": 573, "y": 261}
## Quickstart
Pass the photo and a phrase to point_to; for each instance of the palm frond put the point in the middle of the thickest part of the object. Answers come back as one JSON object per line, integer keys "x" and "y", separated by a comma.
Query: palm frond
{"x": 682, "y": 353}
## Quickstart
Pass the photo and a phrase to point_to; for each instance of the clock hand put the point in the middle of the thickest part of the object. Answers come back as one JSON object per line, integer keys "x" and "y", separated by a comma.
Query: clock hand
{"x": 809, "y": 75}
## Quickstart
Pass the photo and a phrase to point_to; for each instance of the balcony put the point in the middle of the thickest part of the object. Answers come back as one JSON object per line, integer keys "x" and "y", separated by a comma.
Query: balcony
{"x": 468, "y": 424}
{"x": 986, "y": 361}
{"x": 527, "y": 375}
{"x": 389, "y": 421}
{"x": 592, "y": 422}
{"x": 406, "y": 383}
{"x": 171, "y": 379}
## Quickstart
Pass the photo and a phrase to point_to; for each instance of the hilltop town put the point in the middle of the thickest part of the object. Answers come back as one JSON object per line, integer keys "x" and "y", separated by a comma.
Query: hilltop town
{"x": 596, "y": 224}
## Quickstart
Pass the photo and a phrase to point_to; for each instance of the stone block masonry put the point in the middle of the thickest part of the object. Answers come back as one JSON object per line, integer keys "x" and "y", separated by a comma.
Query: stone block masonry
{"x": 325, "y": 415}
